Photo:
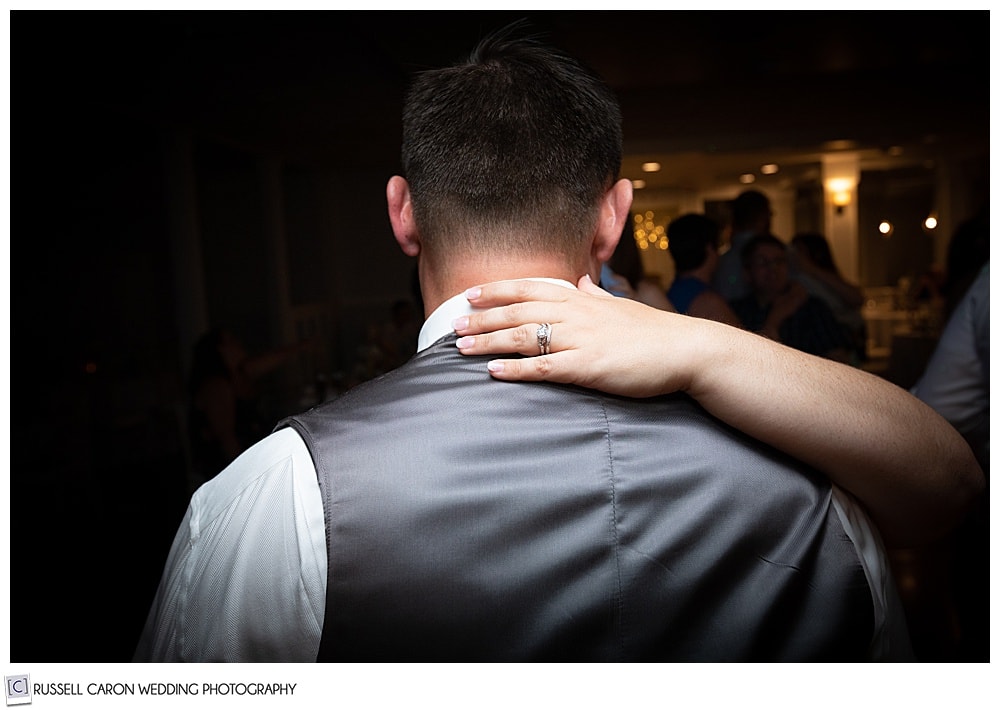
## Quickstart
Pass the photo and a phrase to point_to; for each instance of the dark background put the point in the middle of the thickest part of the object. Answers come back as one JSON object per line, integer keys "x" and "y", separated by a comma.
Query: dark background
{"x": 109, "y": 108}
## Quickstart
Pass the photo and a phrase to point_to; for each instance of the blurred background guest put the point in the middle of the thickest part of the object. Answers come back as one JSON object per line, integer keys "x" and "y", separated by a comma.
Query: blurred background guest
{"x": 398, "y": 335}
{"x": 623, "y": 274}
{"x": 813, "y": 266}
{"x": 750, "y": 215}
{"x": 226, "y": 414}
{"x": 946, "y": 587}
{"x": 956, "y": 382}
{"x": 782, "y": 309}
{"x": 968, "y": 252}
{"x": 693, "y": 242}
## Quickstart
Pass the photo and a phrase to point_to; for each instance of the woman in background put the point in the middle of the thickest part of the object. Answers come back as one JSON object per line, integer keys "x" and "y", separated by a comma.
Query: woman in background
{"x": 225, "y": 416}
{"x": 694, "y": 247}
{"x": 814, "y": 268}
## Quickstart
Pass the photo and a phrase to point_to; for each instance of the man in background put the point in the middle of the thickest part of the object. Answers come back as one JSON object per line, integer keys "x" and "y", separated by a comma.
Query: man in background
{"x": 751, "y": 215}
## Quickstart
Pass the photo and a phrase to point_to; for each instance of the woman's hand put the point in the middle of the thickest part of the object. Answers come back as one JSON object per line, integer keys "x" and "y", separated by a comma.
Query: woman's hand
{"x": 592, "y": 340}
{"x": 912, "y": 469}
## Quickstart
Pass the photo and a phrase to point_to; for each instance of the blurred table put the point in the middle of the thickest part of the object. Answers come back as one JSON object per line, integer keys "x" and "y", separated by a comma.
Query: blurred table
{"x": 882, "y": 325}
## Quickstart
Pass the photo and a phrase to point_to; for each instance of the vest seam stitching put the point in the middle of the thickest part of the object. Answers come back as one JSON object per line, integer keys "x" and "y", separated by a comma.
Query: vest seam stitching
{"x": 614, "y": 527}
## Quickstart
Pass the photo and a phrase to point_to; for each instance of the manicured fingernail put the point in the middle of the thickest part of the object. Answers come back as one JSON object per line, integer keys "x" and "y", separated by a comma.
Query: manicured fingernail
{"x": 495, "y": 366}
{"x": 465, "y": 341}
{"x": 460, "y": 323}
{"x": 473, "y": 293}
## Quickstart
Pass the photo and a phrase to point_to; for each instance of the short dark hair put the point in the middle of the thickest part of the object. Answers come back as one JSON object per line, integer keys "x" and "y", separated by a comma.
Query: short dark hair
{"x": 750, "y": 209}
{"x": 755, "y": 243}
{"x": 687, "y": 238}
{"x": 520, "y": 139}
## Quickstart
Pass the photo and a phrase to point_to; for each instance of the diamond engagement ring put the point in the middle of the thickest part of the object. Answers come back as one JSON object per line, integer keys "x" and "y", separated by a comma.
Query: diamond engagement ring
{"x": 544, "y": 334}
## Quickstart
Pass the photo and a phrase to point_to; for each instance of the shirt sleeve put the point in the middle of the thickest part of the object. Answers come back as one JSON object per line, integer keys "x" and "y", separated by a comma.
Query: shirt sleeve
{"x": 891, "y": 639}
{"x": 956, "y": 381}
{"x": 245, "y": 579}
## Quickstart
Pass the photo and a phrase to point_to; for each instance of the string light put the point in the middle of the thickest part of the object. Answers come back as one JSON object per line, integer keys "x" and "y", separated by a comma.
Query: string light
{"x": 649, "y": 234}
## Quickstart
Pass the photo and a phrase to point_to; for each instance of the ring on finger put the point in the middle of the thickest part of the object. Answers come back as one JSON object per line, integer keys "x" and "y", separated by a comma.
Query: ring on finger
{"x": 544, "y": 335}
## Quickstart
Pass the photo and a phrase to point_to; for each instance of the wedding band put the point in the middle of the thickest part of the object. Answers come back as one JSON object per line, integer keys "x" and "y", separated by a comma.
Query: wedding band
{"x": 544, "y": 334}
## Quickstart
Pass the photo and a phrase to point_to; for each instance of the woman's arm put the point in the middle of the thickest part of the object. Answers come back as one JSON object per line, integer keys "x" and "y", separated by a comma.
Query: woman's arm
{"x": 911, "y": 469}
{"x": 256, "y": 366}
{"x": 849, "y": 293}
{"x": 216, "y": 398}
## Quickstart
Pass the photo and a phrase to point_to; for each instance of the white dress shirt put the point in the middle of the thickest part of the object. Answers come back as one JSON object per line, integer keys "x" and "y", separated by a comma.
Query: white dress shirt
{"x": 245, "y": 579}
{"x": 956, "y": 381}
{"x": 246, "y": 576}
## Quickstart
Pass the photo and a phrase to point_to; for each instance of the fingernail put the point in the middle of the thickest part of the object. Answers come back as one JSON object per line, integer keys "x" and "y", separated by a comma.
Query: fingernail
{"x": 495, "y": 366}
{"x": 473, "y": 293}
{"x": 465, "y": 341}
{"x": 460, "y": 323}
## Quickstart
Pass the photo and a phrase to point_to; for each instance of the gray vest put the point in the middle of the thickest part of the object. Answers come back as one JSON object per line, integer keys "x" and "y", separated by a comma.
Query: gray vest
{"x": 474, "y": 520}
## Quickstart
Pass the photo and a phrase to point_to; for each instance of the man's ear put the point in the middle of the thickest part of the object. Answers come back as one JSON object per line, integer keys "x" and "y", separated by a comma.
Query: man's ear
{"x": 615, "y": 206}
{"x": 397, "y": 195}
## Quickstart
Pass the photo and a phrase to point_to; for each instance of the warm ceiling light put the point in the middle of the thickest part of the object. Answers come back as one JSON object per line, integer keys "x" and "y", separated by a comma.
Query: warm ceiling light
{"x": 840, "y": 184}
{"x": 747, "y": 178}
{"x": 930, "y": 222}
{"x": 769, "y": 168}
{"x": 885, "y": 227}
{"x": 638, "y": 184}
{"x": 839, "y": 190}
{"x": 651, "y": 167}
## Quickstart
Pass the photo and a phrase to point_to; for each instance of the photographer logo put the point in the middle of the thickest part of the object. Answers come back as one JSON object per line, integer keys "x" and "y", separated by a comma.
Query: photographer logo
{"x": 18, "y": 689}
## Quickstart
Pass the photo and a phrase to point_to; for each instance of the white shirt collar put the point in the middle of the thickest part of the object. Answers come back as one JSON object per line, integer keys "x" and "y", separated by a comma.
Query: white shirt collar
{"x": 439, "y": 323}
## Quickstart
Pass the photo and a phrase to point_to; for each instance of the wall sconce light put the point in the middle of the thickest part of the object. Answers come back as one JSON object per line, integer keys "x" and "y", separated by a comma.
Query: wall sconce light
{"x": 840, "y": 192}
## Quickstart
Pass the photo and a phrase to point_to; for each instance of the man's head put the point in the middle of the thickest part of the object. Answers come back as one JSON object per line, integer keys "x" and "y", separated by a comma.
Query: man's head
{"x": 751, "y": 211}
{"x": 512, "y": 152}
{"x": 692, "y": 238}
{"x": 765, "y": 260}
